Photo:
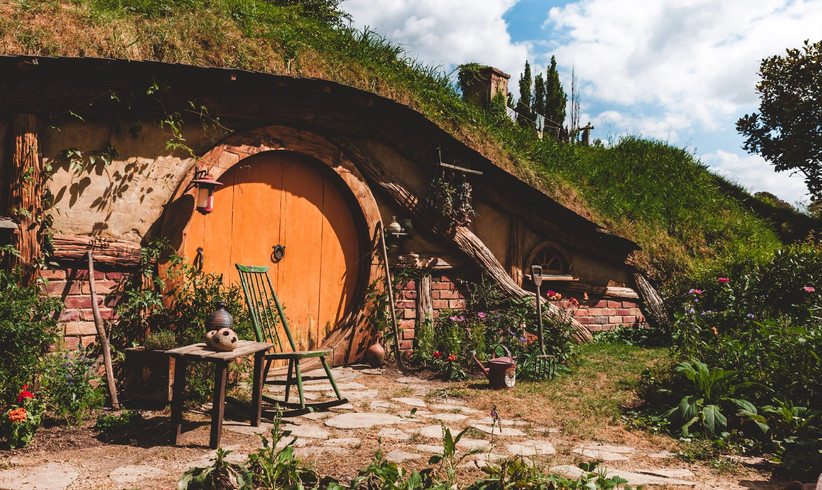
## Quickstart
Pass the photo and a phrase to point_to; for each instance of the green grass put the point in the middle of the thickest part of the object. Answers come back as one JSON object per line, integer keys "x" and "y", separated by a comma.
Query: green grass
{"x": 651, "y": 192}
{"x": 584, "y": 403}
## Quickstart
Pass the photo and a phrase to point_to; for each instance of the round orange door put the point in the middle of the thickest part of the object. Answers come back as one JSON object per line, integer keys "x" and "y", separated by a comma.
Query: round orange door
{"x": 279, "y": 198}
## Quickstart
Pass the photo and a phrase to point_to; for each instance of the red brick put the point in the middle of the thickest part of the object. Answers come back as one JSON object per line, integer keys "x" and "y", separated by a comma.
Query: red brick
{"x": 82, "y": 274}
{"x": 601, "y": 319}
{"x": 628, "y": 320}
{"x": 628, "y": 304}
{"x": 87, "y": 340}
{"x": 440, "y": 285}
{"x": 439, "y": 304}
{"x": 116, "y": 276}
{"x": 635, "y": 312}
{"x": 411, "y": 295}
{"x": 595, "y": 328}
{"x": 406, "y": 324}
{"x": 68, "y": 316}
{"x": 595, "y": 312}
{"x": 410, "y": 285}
{"x": 408, "y": 334}
{"x": 52, "y": 275}
{"x": 581, "y": 312}
{"x": 71, "y": 343}
{"x": 62, "y": 288}
{"x": 409, "y": 314}
{"x": 406, "y": 344}
{"x": 105, "y": 287}
{"x": 601, "y": 304}
{"x": 405, "y": 304}
{"x": 449, "y": 294}
{"x": 457, "y": 304}
{"x": 80, "y": 328}
{"x": 586, "y": 320}
{"x": 435, "y": 294}
{"x": 623, "y": 312}
{"x": 615, "y": 320}
{"x": 81, "y": 301}
{"x": 435, "y": 314}
{"x": 88, "y": 314}
{"x": 614, "y": 304}
{"x": 609, "y": 311}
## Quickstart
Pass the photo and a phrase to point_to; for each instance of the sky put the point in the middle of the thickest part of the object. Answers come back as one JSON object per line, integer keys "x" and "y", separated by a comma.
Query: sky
{"x": 679, "y": 71}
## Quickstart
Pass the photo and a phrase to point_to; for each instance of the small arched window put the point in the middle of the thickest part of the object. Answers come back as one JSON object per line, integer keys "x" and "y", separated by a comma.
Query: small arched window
{"x": 554, "y": 261}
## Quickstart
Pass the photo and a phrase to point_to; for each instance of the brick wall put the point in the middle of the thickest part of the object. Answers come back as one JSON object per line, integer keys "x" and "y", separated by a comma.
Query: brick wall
{"x": 597, "y": 314}
{"x": 71, "y": 286}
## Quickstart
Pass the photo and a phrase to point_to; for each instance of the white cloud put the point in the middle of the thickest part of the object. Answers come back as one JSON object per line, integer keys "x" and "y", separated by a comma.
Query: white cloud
{"x": 756, "y": 174}
{"x": 445, "y": 33}
{"x": 695, "y": 60}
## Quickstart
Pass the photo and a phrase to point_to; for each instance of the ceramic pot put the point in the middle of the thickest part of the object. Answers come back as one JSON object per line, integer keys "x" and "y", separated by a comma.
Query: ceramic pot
{"x": 219, "y": 318}
{"x": 375, "y": 355}
{"x": 224, "y": 340}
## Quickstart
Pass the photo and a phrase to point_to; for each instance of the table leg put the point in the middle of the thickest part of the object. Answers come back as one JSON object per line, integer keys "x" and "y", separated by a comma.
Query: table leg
{"x": 218, "y": 403}
{"x": 257, "y": 390}
{"x": 177, "y": 399}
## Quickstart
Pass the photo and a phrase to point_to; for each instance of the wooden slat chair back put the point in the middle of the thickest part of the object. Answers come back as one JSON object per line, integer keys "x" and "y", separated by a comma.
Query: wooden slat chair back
{"x": 270, "y": 325}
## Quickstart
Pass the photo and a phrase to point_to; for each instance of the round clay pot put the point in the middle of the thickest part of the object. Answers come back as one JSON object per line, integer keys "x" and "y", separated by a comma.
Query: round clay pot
{"x": 375, "y": 355}
{"x": 210, "y": 335}
{"x": 224, "y": 340}
{"x": 219, "y": 318}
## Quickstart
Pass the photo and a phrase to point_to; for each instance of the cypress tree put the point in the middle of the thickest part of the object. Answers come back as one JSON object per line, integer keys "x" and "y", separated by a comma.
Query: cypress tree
{"x": 524, "y": 104}
{"x": 555, "y": 97}
{"x": 539, "y": 95}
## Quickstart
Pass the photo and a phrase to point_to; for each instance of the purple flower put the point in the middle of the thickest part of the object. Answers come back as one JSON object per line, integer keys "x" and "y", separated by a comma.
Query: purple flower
{"x": 751, "y": 315}
{"x": 453, "y": 318}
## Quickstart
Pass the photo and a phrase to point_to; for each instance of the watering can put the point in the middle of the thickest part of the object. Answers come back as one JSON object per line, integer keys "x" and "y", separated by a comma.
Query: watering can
{"x": 501, "y": 371}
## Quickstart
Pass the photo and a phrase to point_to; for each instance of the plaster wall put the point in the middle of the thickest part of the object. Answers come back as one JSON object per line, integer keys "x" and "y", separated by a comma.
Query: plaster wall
{"x": 125, "y": 198}
{"x": 493, "y": 228}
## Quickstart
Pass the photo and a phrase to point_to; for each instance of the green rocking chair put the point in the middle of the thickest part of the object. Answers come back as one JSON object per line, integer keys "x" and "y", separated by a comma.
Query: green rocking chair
{"x": 259, "y": 296}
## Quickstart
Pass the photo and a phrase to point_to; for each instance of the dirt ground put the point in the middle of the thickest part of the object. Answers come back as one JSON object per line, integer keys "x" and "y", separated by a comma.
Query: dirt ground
{"x": 141, "y": 456}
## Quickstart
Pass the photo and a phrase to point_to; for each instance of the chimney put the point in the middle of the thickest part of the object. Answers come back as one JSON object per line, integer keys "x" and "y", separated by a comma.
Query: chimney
{"x": 481, "y": 83}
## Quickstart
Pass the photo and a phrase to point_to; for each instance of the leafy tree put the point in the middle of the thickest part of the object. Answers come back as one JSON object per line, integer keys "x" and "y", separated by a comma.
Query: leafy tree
{"x": 555, "y": 98}
{"x": 524, "y": 104}
{"x": 787, "y": 131}
{"x": 539, "y": 95}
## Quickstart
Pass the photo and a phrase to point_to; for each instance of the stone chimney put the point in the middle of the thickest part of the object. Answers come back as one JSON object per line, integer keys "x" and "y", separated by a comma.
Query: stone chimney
{"x": 483, "y": 84}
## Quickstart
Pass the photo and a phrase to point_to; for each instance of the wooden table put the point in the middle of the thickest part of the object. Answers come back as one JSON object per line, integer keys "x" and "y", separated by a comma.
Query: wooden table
{"x": 221, "y": 360}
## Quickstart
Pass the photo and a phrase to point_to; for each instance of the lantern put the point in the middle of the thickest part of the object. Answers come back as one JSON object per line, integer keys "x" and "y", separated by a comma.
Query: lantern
{"x": 205, "y": 191}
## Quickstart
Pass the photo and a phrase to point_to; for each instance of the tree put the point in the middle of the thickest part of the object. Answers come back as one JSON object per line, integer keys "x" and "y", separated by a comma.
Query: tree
{"x": 555, "y": 98}
{"x": 787, "y": 131}
{"x": 539, "y": 95}
{"x": 524, "y": 104}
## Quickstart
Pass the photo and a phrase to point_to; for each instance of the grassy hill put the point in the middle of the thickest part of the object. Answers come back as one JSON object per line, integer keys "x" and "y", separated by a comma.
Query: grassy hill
{"x": 656, "y": 194}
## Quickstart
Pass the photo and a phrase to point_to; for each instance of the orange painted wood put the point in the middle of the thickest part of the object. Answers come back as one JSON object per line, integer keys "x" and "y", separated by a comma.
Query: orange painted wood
{"x": 281, "y": 198}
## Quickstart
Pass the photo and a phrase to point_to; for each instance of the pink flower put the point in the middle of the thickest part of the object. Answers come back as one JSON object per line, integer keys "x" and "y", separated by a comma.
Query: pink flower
{"x": 723, "y": 280}
{"x": 453, "y": 318}
{"x": 808, "y": 289}
{"x": 481, "y": 315}
{"x": 695, "y": 291}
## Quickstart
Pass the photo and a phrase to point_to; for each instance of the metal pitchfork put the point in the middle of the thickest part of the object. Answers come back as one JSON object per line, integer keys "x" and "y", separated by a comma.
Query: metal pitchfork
{"x": 544, "y": 365}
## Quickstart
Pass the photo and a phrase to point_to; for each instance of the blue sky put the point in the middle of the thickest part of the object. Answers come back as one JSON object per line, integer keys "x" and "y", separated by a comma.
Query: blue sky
{"x": 681, "y": 71}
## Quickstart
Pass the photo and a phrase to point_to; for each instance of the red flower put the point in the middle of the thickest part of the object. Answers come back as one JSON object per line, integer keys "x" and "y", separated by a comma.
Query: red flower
{"x": 452, "y": 357}
{"x": 723, "y": 280}
{"x": 24, "y": 394}
{"x": 437, "y": 355}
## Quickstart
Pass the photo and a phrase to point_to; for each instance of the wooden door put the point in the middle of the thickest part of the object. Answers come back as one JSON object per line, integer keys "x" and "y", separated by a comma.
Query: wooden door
{"x": 281, "y": 198}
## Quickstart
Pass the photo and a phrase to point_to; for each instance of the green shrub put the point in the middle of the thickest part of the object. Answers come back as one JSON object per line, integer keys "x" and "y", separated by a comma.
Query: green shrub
{"x": 71, "y": 388}
{"x": 27, "y": 330}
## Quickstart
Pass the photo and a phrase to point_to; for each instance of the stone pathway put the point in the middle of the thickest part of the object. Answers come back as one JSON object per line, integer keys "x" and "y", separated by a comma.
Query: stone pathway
{"x": 407, "y": 420}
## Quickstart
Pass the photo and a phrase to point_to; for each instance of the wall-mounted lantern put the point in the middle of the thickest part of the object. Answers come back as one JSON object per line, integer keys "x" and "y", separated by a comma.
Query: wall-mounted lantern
{"x": 205, "y": 190}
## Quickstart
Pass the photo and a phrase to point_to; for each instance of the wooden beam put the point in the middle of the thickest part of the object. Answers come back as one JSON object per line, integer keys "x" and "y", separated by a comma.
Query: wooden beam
{"x": 459, "y": 236}
{"x": 118, "y": 253}
{"x": 25, "y": 193}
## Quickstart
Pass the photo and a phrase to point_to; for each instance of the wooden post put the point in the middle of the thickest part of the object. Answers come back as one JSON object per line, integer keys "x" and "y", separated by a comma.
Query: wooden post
{"x": 25, "y": 204}
{"x": 514, "y": 257}
{"x": 425, "y": 306}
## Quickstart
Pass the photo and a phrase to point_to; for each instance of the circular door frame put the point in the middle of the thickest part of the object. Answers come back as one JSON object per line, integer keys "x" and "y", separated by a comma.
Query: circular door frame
{"x": 347, "y": 340}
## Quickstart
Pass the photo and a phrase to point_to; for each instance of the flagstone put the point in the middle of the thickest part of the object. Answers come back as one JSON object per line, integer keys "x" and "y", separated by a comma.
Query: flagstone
{"x": 499, "y": 431}
{"x": 532, "y": 448}
{"x": 398, "y": 456}
{"x": 414, "y": 402}
{"x": 362, "y": 420}
{"x": 446, "y": 417}
{"x": 135, "y": 473}
{"x": 390, "y": 433}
